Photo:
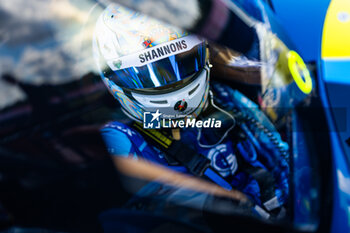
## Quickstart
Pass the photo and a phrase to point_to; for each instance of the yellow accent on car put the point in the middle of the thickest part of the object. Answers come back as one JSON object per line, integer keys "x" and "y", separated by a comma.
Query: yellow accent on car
{"x": 300, "y": 72}
{"x": 336, "y": 30}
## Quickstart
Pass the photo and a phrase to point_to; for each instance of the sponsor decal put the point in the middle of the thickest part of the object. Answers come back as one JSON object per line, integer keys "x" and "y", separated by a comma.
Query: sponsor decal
{"x": 154, "y": 53}
{"x": 181, "y": 105}
{"x": 117, "y": 64}
{"x": 147, "y": 43}
{"x": 162, "y": 51}
{"x": 223, "y": 160}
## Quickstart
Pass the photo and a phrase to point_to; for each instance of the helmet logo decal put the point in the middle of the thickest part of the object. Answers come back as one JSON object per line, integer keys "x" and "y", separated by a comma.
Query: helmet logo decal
{"x": 117, "y": 64}
{"x": 147, "y": 43}
{"x": 180, "y": 105}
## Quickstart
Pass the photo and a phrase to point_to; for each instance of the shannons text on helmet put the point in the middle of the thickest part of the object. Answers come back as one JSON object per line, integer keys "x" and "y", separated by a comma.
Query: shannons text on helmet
{"x": 162, "y": 51}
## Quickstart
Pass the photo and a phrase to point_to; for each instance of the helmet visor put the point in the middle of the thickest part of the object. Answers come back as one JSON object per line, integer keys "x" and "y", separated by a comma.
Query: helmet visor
{"x": 161, "y": 72}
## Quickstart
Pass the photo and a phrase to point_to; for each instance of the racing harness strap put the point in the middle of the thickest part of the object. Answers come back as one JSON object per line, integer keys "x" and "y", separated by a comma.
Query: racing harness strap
{"x": 177, "y": 152}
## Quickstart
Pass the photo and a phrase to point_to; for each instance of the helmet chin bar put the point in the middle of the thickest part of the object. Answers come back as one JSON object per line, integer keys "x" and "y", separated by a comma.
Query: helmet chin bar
{"x": 199, "y": 87}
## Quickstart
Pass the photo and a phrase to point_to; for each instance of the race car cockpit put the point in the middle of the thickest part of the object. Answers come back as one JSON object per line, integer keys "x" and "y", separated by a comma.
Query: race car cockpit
{"x": 61, "y": 129}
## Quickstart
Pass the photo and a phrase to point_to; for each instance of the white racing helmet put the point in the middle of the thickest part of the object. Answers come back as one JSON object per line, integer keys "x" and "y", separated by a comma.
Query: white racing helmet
{"x": 148, "y": 65}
